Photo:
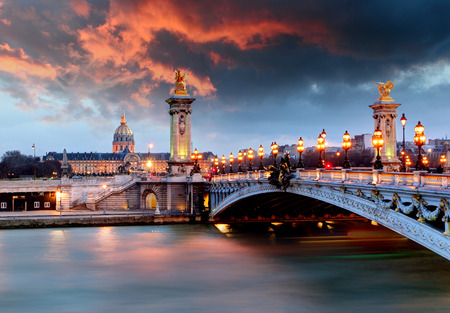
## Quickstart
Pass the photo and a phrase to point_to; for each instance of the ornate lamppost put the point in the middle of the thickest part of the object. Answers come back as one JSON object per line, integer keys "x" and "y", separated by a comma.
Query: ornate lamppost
{"x": 250, "y": 156}
{"x": 346, "y": 144}
{"x": 403, "y": 153}
{"x": 224, "y": 161}
{"x": 378, "y": 142}
{"x": 425, "y": 162}
{"x": 320, "y": 148}
{"x": 443, "y": 161}
{"x": 216, "y": 165}
{"x": 274, "y": 148}
{"x": 240, "y": 158}
{"x": 261, "y": 155}
{"x": 34, "y": 153}
{"x": 324, "y": 134}
{"x": 419, "y": 141}
{"x": 231, "y": 162}
{"x": 195, "y": 156}
{"x": 300, "y": 149}
{"x": 408, "y": 161}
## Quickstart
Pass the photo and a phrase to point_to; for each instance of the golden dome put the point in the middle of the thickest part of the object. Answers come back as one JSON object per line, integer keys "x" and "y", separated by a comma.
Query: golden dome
{"x": 123, "y": 129}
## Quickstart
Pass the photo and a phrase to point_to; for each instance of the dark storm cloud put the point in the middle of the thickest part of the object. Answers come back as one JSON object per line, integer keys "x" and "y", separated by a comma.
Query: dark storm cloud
{"x": 92, "y": 58}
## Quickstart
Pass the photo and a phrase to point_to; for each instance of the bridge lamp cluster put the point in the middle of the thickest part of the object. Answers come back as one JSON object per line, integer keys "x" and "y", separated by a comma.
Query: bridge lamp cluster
{"x": 250, "y": 156}
{"x": 403, "y": 153}
{"x": 274, "y": 148}
{"x": 261, "y": 155}
{"x": 224, "y": 161}
{"x": 240, "y": 158}
{"x": 300, "y": 149}
{"x": 419, "y": 141}
{"x": 378, "y": 142}
{"x": 321, "y": 148}
{"x": 408, "y": 161}
{"x": 346, "y": 144}
{"x": 231, "y": 162}
{"x": 216, "y": 165}
{"x": 195, "y": 156}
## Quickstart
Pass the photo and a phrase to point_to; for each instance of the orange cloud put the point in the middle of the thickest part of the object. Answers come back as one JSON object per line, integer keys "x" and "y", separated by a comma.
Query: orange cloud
{"x": 81, "y": 7}
{"x": 16, "y": 62}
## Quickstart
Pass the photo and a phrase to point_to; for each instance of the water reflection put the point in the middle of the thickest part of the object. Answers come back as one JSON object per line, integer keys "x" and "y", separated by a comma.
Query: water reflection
{"x": 57, "y": 249}
{"x": 192, "y": 268}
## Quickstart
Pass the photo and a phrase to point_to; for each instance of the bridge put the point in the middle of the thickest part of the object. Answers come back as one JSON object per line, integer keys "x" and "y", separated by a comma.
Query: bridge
{"x": 414, "y": 205}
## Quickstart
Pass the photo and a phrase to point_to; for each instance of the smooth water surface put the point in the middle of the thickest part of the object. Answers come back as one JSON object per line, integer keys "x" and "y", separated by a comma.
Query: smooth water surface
{"x": 195, "y": 268}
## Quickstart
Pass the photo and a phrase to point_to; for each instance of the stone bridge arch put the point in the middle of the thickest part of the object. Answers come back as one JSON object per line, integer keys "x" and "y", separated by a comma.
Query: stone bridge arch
{"x": 152, "y": 198}
{"x": 360, "y": 204}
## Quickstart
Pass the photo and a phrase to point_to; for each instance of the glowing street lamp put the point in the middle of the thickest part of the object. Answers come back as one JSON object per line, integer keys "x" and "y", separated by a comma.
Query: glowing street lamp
{"x": 443, "y": 161}
{"x": 320, "y": 148}
{"x": 240, "y": 158}
{"x": 346, "y": 144}
{"x": 300, "y": 149}
{"x": 231, "y": 162}
{"x": 261, "y": 155}
{"x": 224, "y": 161}
{"x": 250, "y": 156}
{"x": 408, "y": 161}
{"x": 274, "y": 148}
{"x": 419, "y": 141}
{"x": 403, "y": 167}
{"x": 378, "y": 142}
{"x": 195, "y": 156}
{"x": 216, "y": 164}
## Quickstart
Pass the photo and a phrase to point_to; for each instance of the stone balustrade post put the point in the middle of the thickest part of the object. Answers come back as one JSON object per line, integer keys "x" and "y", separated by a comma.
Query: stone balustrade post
{"x": 318, "y": 174}
{"x": 376, "y": 176}
{"x": 344, "y": 173}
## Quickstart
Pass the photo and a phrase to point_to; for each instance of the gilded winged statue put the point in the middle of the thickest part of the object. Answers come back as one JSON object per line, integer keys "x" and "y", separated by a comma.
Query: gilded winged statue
{"x": 385, "y": 89}
{"x": 180, "y": 83}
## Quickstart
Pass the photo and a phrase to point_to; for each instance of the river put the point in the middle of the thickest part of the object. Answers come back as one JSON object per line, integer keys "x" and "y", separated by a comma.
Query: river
{"x": 196, "y": 268}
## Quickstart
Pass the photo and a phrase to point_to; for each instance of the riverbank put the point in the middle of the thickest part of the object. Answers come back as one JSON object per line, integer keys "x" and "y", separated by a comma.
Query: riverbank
{"x": 79, "y": 218}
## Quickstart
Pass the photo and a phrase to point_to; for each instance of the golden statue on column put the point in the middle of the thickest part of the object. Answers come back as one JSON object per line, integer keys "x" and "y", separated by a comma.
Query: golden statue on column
{"x": 180, "y": 83}
{"x": 385, "y": 89}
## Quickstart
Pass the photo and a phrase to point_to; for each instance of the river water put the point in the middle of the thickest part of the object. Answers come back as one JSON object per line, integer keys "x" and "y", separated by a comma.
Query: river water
{"x": 196, "y": 268}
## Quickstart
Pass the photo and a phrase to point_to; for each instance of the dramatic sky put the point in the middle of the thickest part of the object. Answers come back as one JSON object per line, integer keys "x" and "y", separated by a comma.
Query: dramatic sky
{"x": 261, "y": 70}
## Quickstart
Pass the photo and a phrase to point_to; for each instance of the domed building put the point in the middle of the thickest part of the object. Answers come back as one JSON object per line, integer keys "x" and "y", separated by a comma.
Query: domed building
{"x": 123, "y": 140}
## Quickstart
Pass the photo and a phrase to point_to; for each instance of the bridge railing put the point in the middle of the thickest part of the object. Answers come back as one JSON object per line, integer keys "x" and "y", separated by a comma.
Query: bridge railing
{"x": 415, "y": 179}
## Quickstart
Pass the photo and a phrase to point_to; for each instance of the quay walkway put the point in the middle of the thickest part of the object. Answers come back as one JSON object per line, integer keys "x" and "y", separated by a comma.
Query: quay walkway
{"x": 85, "y": 218}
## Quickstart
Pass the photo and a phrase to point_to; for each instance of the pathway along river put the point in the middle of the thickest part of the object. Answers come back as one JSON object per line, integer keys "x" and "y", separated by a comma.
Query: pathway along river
{"x": 196, "y": 268}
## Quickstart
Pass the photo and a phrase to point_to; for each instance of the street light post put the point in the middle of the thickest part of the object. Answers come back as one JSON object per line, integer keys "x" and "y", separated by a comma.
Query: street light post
{"x": 419, "y": 141}
{"x": 216, "y": 164}
{"x": 324, "y": 134}
{"x": 240, "y": 158}
{"x": 224, "y": 161}
{"x": 346, "y": 144}
{"x": 261, "y": 155}
{"x": 300, "y": 149}
{"x": 378, "y": 142}
{"x": 403, "y": 168}
{"x": 104, "y": 198}
{"x": 250, "y": 156}
{"x": 34, "y": 159}
{"x": 231, "y": 162}
{"x": 274, "y": 147}
{"x": 320, "y": 148}
{"x": 195, "y": 156}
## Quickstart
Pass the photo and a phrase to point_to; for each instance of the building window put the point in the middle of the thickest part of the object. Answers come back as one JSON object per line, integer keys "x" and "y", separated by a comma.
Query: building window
{"x": 37, "y": 204}
{"x": 46, "y": 204}
{"x": 3, "y": 205}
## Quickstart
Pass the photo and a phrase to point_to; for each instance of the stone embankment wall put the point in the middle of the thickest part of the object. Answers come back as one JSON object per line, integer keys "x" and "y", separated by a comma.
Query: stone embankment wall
{"x": 95, "y": 220}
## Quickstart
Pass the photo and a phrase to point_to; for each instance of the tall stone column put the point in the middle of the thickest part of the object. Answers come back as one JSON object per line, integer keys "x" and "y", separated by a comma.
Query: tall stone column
{"x": 180, "y": 127}
{"x": 384, "y": 115}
